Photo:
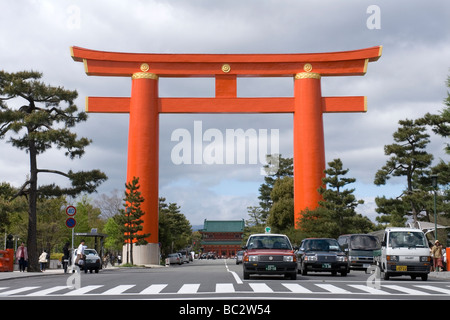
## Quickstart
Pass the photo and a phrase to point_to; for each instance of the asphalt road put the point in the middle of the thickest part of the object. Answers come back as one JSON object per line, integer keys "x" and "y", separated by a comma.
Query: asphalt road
{"x": 216, "y": 280}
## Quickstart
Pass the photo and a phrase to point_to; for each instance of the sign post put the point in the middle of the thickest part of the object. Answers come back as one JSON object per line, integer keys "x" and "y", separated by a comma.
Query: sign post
{"x": 71, "y": 211}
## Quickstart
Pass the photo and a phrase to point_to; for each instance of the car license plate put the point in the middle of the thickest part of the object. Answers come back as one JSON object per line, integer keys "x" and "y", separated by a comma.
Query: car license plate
{"x": 326, "y": 265}
{"x": 271, "y": 267}
{"x": 401, "y": 268}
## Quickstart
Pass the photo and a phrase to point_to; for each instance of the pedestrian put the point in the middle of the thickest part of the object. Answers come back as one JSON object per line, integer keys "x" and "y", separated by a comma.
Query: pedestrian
{"x": 437, "y": 256}
{"x": 66, "y": 256}
{"x": 79, "y": 260}
{"x": 22, "y": 257}
{"x": 43, "y": 260}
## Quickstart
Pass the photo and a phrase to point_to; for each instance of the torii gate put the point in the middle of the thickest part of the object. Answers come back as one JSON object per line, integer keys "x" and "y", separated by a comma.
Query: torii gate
{"x": 144, "y": 107}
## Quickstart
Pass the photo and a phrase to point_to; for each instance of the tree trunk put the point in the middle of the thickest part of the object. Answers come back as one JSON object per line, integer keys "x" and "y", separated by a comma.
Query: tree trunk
{"x": 131, "y": 252}
{"x": 33, "y": 256}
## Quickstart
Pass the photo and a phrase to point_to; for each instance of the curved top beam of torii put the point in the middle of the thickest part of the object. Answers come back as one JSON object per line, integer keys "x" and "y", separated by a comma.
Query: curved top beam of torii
{"x": 344, "y": 63}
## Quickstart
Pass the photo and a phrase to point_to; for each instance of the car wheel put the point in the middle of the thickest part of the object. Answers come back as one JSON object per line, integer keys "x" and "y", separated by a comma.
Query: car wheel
{"x": 424, "y": 277}
{"x": 246, "y": 275}
{"x": 96, "y": 270}
{"x": 343, "y": 273}
{"x": 293, "y": 275}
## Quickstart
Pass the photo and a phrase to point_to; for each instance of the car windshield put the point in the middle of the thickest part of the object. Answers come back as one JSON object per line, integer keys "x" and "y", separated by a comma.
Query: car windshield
{"x": 407, "y": 239}
{"x": 364, "y": 242}
{"x": 269, "y": 242}
{"x": 90, "y": 252}
{"x": 321, "y": 245}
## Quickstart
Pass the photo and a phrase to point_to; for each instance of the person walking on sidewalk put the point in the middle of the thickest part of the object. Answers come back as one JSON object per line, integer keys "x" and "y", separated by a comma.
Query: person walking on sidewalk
{"x": 66, "y": 257}
{"x": 43, "y": 260}
{"x": 22, "y": 257}
{"x": 437, "y": 256}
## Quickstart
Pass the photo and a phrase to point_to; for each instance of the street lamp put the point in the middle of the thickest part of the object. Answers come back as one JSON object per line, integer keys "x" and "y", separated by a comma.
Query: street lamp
{"x": 435, "y": 186}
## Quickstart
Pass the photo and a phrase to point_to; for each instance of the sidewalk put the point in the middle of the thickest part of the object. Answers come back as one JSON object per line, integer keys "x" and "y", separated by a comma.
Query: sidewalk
{"x": 49, "y": 272}
{"x": 18, "y": 274}
{"x": 440, "y": 275}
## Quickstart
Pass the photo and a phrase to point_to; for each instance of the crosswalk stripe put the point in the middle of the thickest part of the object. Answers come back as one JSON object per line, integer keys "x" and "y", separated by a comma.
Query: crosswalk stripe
{"x": 255, "y": 287}
{"x": 406, "y": 290}
{"x": 368, "y": 289}
{"x": 441, "y": 290}
{"x": 153, "y": 289}
{"x": 189, "y": 288}
{"x": 224, "y": 287}
{"x": 119, "y": 289}
{"x": 296, "y": 288}
{"x": 332, "y": 288}
{"x": 19, "y": 290}
{"x": 82, "y": 290}
{"x": 46, "y": 291}
{"x": 260, "y": 287}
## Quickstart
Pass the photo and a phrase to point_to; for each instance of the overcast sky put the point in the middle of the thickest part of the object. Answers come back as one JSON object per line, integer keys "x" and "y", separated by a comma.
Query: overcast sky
{"x": 406, "y": 82}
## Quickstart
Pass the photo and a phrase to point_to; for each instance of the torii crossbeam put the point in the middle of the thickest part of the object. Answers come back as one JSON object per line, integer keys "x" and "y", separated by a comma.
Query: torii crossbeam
{"x": 144, "y": 106}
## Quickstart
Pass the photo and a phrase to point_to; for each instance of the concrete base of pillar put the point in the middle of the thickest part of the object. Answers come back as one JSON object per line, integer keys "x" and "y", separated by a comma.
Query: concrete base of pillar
{"x": 143, "y": 255}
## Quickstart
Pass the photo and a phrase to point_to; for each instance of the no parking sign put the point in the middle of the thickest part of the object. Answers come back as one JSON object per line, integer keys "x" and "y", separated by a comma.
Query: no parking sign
{"x": 71, "y": 222}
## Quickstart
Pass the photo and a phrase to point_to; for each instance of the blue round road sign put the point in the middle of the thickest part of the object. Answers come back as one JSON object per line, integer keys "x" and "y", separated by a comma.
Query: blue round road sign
{"x": 71, "y": 222}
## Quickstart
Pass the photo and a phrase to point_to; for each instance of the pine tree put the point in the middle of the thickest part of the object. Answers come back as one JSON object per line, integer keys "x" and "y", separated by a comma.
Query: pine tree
{"x": 409, "y": 159}
{"x": 336, "y": 213}
{"x": 36, "y": 127}
{"x": 340, "y": 202}
{"x": 282, "y": 168}
{"x": 175, "y": 230}
{"x": 131, "y": 218}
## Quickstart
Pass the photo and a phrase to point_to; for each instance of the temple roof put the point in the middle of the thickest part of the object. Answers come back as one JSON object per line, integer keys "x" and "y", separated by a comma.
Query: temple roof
{"x": 223, "y": 226}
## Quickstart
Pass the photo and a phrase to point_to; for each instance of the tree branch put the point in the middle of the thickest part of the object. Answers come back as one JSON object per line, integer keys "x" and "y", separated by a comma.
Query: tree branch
{"x": 54, "y": 171}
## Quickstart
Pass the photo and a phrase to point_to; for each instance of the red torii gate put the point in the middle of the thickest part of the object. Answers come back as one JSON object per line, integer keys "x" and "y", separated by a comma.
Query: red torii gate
{"x": 144, "y": 107}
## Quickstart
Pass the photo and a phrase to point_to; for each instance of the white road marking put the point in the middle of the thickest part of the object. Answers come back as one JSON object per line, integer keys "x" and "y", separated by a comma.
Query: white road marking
{"x": 153, "y": 289}
{"x": 189, "y": 288}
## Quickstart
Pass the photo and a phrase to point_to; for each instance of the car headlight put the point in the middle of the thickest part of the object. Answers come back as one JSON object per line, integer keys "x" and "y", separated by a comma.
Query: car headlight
{"x": 253, "y": 258}
{"x": 311, "y": 258}
{"x": 425, "y": 259}
{"x": 392, "y": 258}
{"x": 341, "y": 258}
{"x": 289, "y": 259}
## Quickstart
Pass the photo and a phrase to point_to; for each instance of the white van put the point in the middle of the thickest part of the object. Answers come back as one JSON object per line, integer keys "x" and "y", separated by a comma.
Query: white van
{"x": 404, "y": 251}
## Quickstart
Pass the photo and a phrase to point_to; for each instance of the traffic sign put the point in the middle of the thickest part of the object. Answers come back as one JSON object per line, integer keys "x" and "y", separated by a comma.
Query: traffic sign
{"x": 71, "y": 211}
{"x": 71, "y": 222}
{"x": 267, "y": 229}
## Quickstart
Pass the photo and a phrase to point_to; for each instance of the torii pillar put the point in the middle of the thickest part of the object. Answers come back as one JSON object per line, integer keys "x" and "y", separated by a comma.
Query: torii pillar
{"x": 144, "y": 107}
